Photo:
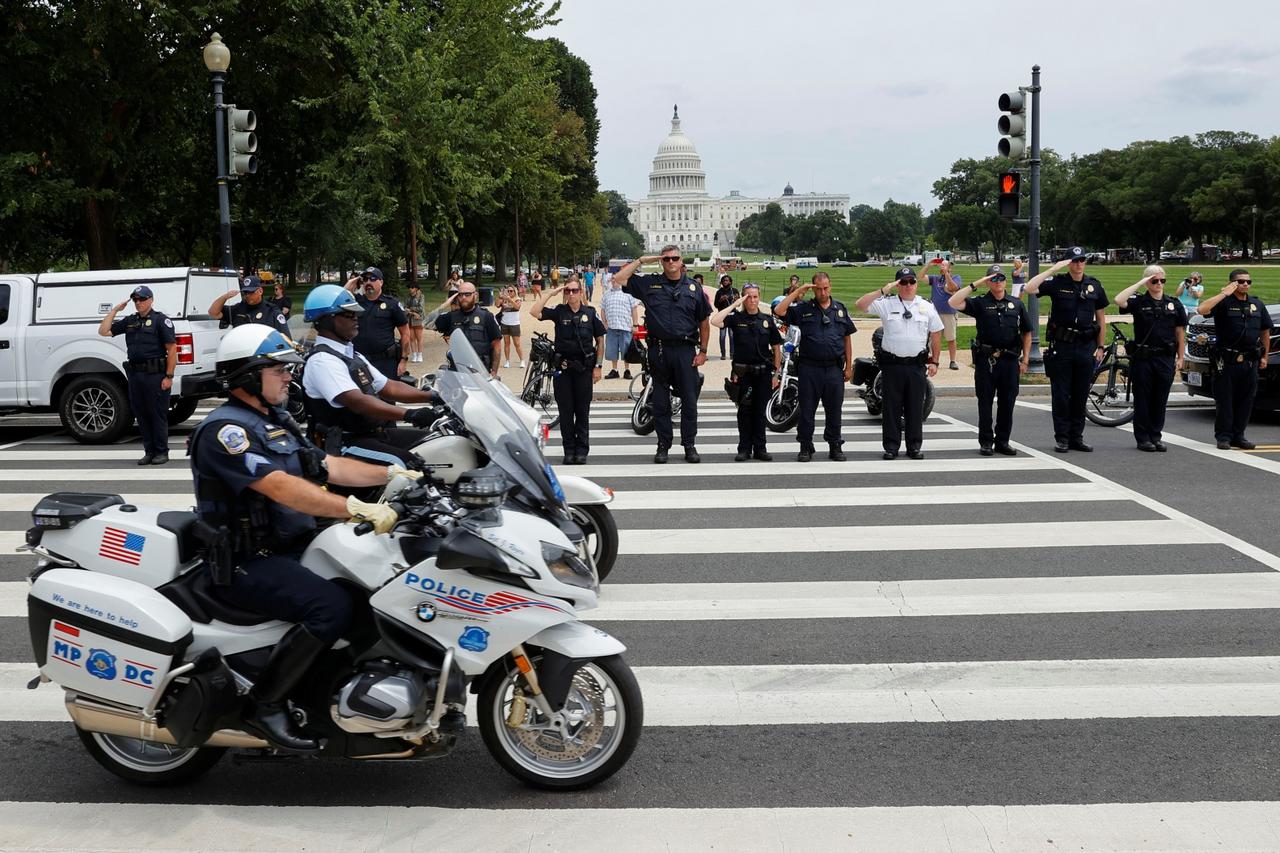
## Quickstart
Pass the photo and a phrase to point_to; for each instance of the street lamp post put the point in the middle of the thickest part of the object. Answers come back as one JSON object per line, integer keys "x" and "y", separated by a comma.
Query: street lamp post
{"x": 217, "y": 58}
{"x": 1253, "y": 245}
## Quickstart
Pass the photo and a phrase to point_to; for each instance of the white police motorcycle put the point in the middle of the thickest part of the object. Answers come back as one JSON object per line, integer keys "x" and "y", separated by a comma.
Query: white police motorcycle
{"x": 482, "y": 412}
{"x": 465, "y": 595}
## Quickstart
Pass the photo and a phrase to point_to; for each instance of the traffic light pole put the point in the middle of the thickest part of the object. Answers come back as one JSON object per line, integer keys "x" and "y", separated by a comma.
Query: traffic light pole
{"x": 1036, "y": 360}
{"x": 224, "y": 195}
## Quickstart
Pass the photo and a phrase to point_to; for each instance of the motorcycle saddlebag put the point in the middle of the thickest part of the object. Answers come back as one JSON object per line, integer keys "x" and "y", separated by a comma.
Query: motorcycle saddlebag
{"x": 104, "y": 636}
{"x": 864, "y": 370}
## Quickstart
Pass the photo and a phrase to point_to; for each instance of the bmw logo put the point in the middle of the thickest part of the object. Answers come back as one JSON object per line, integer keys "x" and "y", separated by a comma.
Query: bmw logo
{"x": 426, "y": 611}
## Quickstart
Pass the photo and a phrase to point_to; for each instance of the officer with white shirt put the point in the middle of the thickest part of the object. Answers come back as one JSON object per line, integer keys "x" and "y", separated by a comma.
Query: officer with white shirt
{"x": 348, "y": 400}
{"x": 909, "y": 353}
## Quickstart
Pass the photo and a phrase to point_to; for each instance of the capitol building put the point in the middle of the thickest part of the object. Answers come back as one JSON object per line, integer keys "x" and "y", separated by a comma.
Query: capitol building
{"x": 678, "y": 209}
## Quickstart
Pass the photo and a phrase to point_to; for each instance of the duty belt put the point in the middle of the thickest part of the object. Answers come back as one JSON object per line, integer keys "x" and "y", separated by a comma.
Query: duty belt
{"x": 678, "y": 342}
{"x": 889, "y": 358}
{"x": 147, "y": 365}
{"x": 1074, "y": 336}
{"x": 751, "y": 369}
{"x": 989, "y": 351}
{"x": 1148, "y": 350}
{"x": 820, "y": 362}
{"x": 1250, "y": 354}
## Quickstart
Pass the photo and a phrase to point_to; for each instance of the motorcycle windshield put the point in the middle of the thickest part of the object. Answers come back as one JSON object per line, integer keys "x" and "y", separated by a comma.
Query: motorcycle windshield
{"x": 469, "y": 392}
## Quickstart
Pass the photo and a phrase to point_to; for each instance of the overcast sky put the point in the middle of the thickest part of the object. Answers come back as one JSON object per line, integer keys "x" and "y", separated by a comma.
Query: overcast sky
{"x": 877, "y": 102}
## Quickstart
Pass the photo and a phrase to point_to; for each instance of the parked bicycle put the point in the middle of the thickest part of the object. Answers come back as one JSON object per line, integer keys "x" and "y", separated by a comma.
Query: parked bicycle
{"x": 1110, "y": 400}
{"x": 538, "y": 391}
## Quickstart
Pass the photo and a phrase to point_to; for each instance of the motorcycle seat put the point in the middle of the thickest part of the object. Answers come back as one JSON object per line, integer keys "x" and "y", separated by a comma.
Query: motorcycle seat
{"x": 180, "y": 524}
{"x": 195, "y": 596}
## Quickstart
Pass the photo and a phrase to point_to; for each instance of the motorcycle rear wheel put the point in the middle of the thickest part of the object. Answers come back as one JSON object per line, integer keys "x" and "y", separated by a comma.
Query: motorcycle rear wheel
{"x": 604, "y": 692}
{"x": 145, "y": 762}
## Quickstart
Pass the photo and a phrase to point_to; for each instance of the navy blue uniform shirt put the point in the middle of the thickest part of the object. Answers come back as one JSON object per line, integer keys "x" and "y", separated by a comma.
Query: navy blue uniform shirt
{"x": 754, "y": 336}
{"x": 1154, "y": 320}
{"x": 576, "y": 331}
{"x": 1238, "y": 323}
{"x": 378, "y": 324}
{"x": 1001, "y": 322}
{"x": 144, "y": 337}
{"x": 673, "y": 310}
{"x": 822, "y": 330}
{"x": 1074, "y": 304}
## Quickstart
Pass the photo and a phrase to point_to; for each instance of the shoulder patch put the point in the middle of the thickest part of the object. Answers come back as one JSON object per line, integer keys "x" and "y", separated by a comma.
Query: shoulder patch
{"x": 280, "y": 319}
{"x": 233, "y": 438}
{"x": 168, "y": 322}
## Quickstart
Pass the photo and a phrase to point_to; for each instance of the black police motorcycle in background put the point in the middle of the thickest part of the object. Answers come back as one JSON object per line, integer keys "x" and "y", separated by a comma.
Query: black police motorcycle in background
{"x": 870, "y": 382}
{"x": 642, "y": 422}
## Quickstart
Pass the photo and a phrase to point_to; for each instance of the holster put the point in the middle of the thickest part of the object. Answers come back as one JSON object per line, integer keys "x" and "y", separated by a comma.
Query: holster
{"x": 217, "y": 549}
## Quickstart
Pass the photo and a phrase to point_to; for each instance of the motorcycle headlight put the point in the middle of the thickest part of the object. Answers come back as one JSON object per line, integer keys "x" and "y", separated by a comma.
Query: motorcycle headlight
{"x": 568, "y": 567}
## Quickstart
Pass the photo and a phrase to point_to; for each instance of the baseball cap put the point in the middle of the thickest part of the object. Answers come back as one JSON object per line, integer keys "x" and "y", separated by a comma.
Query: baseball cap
{"x": 141, "y": 292}
{"x": 250, "y": 283}
{"x": 373, "y": 272}
{"x": 994, "y": 268}
{"x": 1075, "y": 253}
{"x": 906, "y": 272}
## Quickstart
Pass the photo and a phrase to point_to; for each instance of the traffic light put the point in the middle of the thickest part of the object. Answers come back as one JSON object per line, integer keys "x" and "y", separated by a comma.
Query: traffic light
{"x": 1013, "y": 125}
{"x": 1010, "y": 194}
{"x": 241, "y": 142}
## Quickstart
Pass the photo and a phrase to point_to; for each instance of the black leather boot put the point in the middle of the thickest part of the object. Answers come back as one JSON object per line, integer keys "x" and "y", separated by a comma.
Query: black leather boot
{"x": 285, "y": 668}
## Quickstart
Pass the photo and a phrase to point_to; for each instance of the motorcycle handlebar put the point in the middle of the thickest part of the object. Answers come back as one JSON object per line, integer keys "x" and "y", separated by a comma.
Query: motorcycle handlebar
{"x": 364, "y": 527}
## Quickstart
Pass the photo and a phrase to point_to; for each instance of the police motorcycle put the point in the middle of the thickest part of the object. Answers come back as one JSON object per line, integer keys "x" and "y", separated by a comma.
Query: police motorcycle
{"x": 461, "y": 594}
{"x": 642, "y": 422}
{"x": 784, "y": 405}
{"x": 870, "y": 382}
{"x": 475, "y": 418}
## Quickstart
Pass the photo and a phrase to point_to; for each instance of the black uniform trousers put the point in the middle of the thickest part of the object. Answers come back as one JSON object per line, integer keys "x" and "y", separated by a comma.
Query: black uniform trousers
{"x": 819, "y": 382}
{"x": 1070, "y": 367}
{"x": 280, "y": 587}
{"x": 998, "y": 385}
{"x": 757, "y": 386}
{"x": 1234, "y": 388}
{"x": 391, "y": 446}
{"x": 671, "y": 366}
{"x": 151, "y": 407}
{"x": 904, "y": 387}
{"x": 388, "y": 367}
{"x": 1151, "y": 378}
{"x": 572, "y": 388}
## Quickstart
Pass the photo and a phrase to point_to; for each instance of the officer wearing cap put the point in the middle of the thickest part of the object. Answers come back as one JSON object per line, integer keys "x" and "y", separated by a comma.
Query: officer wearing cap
{"x": 350, "y": 402}
{"x": 478, "y": 325}
{"x": 1242, "y": 327}
{"x": 252, "y": 308}
{"x": 676, "y": 313}
{"x": 579, "y": 351}
{"x": 1001, "y": 353}
{"x": 382, "y": 319}
{"x": 1077, "y": 335}
{"x": 908, "y": 357}
{"x": 824, "y": 362}
{"x": 757, "y": 357}
{"x": 152, "y": 355}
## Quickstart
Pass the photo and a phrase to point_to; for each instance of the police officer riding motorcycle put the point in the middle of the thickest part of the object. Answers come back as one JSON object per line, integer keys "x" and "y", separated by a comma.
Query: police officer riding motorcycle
{"x": 349, "y": 402}
{"x": 258, "y": 484}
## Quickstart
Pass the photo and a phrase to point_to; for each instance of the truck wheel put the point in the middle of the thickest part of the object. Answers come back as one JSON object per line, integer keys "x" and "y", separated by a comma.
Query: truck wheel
{"x": 182, "y": 409}
{"x": 95, "y": 409}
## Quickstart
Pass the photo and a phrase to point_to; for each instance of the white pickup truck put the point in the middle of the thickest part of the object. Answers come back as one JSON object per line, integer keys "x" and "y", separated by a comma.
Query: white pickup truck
{"x": 52, "y": 358}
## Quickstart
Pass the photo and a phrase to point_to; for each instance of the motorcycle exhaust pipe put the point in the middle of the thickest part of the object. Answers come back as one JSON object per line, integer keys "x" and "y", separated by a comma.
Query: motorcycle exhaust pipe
{"x": 106, "y": 720}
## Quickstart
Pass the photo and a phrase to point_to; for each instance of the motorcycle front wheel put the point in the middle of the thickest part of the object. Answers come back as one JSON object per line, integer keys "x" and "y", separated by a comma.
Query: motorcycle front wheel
{"x": 602, "y": 534}
{"x": 642, "y": 414}
{"x": 145, "y": 762}
{"x": 606, "y": 715}
{"x": 784, "y": 407}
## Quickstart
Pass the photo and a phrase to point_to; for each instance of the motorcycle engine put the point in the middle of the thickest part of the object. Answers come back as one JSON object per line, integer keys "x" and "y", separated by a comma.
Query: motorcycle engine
{"x": 383, "y": 696}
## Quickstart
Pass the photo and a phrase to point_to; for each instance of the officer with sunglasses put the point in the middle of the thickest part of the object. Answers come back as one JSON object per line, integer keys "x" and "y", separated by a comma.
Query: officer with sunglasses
{"x": 153, "y": 353}
{"x": 908, "y": 358}
{"x": 676, "y": 313}
{"x": 1155, "y": 353}
{"x": 1242, "y": 327}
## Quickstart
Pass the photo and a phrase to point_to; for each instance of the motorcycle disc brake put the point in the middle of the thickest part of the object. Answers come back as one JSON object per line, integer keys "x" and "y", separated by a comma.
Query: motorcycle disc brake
{"x": 585, "y": 704}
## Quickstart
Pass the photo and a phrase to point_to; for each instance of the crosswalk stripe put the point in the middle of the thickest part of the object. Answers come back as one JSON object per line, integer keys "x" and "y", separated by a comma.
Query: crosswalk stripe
{"x": 644, "y": 468}
{"x": 941, "y": 692}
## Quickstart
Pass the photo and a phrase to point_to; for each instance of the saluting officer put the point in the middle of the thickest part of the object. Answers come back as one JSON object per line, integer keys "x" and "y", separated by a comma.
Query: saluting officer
{"x": 757, "y": 357}
{"x": 824, "y": 361}
{"x": 153, "y": 353}
{"x": 1077, "y": 334}
{"x": 382, "y": 319}
{"x": 252, "y": 308}
{"x": 1001, "y": 353}
{"x": 1155, "y": 353}
{"x": 579, "y": 349}
{"x": 676, "y": 313}
{"x": 1242, "y": 327}
{"x": 908, "y": 355}
{"x": 479, "y": 326}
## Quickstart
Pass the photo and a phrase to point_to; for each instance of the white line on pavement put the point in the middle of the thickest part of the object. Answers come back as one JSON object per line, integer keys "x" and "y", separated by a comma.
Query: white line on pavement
{"x": 984, "y": 494}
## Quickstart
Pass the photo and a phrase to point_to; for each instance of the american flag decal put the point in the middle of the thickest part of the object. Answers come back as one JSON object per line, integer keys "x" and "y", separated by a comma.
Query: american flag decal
{"x": 121, "y": 546}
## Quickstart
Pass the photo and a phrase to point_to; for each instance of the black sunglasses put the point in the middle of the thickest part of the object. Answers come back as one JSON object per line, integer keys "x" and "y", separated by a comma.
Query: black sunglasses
{"x": 906, "y": 281}
{"x": 573, "y": 290}
{"x": 348, "y": 315}
{"x": 671, "y": 259}
{"x": 1158, "y": 280}
{"x": 1244, "y": 281}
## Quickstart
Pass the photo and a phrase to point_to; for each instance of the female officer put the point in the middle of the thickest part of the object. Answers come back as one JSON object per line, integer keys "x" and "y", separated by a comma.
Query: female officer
{"x": 579, "y": 349}
{"x": 1155, "y": 353}
{"x": 757, "y": 356}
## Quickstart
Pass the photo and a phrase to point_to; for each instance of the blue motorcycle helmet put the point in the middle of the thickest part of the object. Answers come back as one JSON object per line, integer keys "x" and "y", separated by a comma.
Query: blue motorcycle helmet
{"x": 326, "y": 301}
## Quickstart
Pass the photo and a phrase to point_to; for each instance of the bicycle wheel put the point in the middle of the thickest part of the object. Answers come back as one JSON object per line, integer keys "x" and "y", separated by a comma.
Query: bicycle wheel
{"x": 1110, "y": 400}
{"x": 539, "y": 394}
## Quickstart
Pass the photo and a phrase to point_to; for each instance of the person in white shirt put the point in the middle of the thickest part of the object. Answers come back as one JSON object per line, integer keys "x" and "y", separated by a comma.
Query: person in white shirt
{"x": 908, "y": 357}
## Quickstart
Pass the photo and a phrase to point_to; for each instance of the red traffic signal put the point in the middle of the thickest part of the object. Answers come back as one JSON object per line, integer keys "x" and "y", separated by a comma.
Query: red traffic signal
{"x": 1010, "y": 187}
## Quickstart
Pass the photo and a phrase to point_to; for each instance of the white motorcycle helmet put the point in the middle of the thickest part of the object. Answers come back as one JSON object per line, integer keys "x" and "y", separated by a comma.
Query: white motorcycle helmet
{"x": 245, "y": 350}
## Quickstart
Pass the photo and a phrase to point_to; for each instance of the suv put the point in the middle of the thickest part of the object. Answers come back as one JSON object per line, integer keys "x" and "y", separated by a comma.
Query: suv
{"x": 52, "y": 358}
{"x": 774, "y": 265}
{"x": 1198, "y": 370}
